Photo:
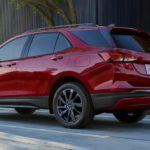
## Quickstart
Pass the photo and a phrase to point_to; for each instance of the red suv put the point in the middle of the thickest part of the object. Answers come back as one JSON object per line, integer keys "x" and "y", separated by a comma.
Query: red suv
{"x": 76, "y": 72}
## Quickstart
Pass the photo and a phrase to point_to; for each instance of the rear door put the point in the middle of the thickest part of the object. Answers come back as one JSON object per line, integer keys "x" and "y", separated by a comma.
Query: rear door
{"x": 10, "y": 53}
{"x": 34, "y": 71}
{"x": 40, "y": 65}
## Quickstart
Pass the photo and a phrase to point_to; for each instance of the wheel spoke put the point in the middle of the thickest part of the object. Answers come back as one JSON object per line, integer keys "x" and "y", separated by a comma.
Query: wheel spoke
{"x": 65, "y": 94}
{"x": 64, "y": 112}
{"x": 68, "y": 115}
{"x": 77, "y": 105}
{"x": 62, "y": 100}
{"x": 61, "y": 107}
{"x": 71, "y": 94}
{"x": 75, "y": 97}
{"x": 72, "y": 116}
{"x": 76, "y": 110}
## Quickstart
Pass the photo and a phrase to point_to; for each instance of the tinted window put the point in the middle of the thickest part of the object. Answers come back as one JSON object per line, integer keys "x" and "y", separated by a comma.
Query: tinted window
{"x": 91, "y": 37}
{"x": 106, "y": 34}
{"x": 43, "y": 44}
{"x": 132, "y": 41}
{"x": 62, "y": 44}
{"x": 13, "y": 49}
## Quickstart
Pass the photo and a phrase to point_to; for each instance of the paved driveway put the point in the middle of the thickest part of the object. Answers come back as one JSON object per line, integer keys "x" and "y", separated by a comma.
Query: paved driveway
{"x": 41, "y": 132}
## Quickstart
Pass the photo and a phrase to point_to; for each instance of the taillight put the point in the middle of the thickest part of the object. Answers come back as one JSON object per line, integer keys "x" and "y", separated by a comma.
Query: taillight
{"x": 112, "y": 56}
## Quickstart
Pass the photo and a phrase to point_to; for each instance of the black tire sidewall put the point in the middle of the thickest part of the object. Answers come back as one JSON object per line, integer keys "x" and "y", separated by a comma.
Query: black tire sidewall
{"x": 123, "y": 116}
{"x": 25, "y": 111}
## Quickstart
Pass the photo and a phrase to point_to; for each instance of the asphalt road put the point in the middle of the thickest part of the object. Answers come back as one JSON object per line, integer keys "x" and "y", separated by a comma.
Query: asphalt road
{"x": 41, "y": 132}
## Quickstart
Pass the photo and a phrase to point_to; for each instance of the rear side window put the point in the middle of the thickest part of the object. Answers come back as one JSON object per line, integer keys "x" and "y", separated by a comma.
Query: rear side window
{"x": 13, "y": 49}
{"x": 91, "y": 37}
{"x": 62, "y": 44}
{"x": 43, "y": 44}
{"x": 132, "y": 41}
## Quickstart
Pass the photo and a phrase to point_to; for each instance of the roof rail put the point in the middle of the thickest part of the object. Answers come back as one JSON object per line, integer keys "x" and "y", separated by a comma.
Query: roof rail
{"x": 111, "y": 25}
{"x": 65, "y": 26}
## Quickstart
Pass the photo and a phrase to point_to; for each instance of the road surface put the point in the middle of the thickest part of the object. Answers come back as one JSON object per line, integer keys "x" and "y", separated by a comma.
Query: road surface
{"x": 41, "y": 131}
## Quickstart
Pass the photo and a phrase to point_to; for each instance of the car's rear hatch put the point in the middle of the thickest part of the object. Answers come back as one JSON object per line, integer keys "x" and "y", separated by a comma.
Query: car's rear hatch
{"x": 137, "y": 44}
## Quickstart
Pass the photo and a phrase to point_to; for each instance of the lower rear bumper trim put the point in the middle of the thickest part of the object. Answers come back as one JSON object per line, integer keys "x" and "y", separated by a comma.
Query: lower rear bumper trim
{"x": 108, "y": 101}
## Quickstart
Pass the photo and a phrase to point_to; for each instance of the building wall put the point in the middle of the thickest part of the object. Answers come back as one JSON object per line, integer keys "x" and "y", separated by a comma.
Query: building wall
{"x": 131, "y": 13}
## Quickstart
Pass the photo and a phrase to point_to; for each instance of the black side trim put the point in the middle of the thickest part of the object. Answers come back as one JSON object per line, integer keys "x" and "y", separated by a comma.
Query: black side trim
{"x": 34, "y": 102}
{"x": 106, "y": 101}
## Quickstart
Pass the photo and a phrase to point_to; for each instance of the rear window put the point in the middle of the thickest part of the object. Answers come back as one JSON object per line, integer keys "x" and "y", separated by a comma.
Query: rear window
{"x": 91, "y": 37}
{"x": 131, "y": 40}
{"x": 42, "y": 44}
{"x": 62, "y": 44}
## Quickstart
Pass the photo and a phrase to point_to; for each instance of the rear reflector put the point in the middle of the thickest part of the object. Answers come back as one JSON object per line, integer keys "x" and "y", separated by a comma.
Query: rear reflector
{"x": 112, "y": 56}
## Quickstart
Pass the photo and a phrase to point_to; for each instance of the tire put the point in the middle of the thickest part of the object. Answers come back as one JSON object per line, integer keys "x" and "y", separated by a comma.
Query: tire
{"x": 25, "y": 111}
{"x": 72, "y": 105}
{"x": 130, "y": 116}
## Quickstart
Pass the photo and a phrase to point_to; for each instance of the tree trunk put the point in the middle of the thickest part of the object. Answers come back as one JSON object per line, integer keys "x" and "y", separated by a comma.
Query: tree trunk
{"x": 55, "y": 8}
{"x": 72, "y": 11}
{"x": 46, "y": 7}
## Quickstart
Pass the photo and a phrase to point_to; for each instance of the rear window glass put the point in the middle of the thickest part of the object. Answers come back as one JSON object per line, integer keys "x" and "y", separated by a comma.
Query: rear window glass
{"x": 43, "y": 44}
{"x": 62, "y": 44}
{"x": 91, "y": 37}
{"x": 132, "y": 41}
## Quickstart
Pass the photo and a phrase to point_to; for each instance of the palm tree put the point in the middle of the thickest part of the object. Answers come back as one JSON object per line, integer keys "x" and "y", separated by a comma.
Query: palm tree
{"x": 46, "y": 8}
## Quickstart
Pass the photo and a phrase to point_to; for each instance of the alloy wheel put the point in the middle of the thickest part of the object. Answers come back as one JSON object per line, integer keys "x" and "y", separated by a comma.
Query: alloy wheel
{"x": 69, "y": 105}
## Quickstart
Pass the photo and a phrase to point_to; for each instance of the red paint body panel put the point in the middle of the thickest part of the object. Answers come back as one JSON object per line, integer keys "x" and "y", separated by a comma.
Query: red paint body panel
{"x": 132, "y": 103}
{"x": 36, "y": 76}
{"x": 7, "y": 79}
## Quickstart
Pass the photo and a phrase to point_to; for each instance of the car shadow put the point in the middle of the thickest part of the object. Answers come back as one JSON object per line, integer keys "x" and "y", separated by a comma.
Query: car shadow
{"x": 112, "y": 124}
{"x": 29, "y": 119}
{"x": 98, "y": 123}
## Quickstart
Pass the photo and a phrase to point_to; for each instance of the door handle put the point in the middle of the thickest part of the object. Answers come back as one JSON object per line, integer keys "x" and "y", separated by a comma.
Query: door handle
{"x": 13, "y": 64}
{"x": 59, "y": 57}
{"x": 55, "y": 58}
{"x": 10, "y": 65}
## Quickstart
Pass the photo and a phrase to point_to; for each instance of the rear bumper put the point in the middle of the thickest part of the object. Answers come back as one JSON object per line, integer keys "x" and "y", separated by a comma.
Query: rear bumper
{"x": 118, "y": 101}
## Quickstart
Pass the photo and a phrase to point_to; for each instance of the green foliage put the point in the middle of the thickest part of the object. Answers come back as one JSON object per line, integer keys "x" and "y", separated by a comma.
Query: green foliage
{"x": 22, "y": 3}
{"x": 18, "y": 4}
{"x": 46, "y": 8}
{"x": 58, "y": 1}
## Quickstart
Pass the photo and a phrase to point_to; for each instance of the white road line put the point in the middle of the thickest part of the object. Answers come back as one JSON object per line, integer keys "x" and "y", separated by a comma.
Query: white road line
{"x": 35, "y": 142}
{"x": 58, "y": 132}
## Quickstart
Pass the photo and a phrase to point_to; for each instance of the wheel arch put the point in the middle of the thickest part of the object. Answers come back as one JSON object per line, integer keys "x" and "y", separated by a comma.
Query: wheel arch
{"x": 65, "y": 78}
